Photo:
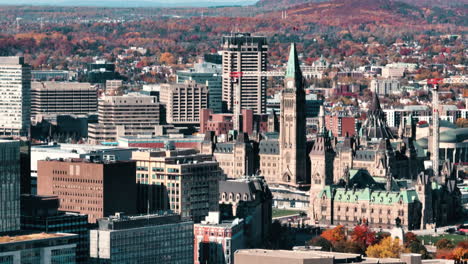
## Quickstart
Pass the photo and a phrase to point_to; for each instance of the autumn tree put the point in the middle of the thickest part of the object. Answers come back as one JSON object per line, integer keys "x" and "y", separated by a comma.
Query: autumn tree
{"x": 363, "y": 236}
{"x": 444, "y": 244}
{"x": 335, "y": 234}
{"x": 167, "y": 58}
{"x": 387, "y": 248}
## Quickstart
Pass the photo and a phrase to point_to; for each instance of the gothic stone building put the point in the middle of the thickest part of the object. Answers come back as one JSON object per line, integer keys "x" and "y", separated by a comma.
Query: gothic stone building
{"x": 376, "y": 178}
{"x": 283, "y": 156}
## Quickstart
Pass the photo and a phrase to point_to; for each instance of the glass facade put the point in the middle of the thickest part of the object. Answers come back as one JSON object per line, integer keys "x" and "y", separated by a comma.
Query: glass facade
{"x": 66, "y": 223}
{"x": 170, "y": 243}
{"x": 9, "y": 186}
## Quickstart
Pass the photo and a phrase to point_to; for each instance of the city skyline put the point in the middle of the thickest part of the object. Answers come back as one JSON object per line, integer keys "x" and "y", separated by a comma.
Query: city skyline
{"x": 287, "y": 131}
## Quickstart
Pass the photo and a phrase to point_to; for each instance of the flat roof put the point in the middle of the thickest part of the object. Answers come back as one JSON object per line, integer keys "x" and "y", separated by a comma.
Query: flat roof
{"x": 28, "y": 237}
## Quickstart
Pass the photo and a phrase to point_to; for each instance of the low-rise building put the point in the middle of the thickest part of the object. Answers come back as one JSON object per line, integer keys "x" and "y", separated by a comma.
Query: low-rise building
{"x": 38, "y": 248}
{"x": 310, "y": 256}
{"x": 142, "y": 239}
{"x": 216, "y": 241}
{"x": 249, "y": 199}
{"x": 41, "y": 214}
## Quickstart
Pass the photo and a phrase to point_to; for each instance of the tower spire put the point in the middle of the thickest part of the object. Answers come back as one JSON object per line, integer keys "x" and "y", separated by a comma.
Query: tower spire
{"x": 293, "y": 69}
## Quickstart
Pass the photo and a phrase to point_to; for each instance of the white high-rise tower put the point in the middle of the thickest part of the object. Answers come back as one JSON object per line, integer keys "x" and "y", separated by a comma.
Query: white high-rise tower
{"x": 15, "y": 96}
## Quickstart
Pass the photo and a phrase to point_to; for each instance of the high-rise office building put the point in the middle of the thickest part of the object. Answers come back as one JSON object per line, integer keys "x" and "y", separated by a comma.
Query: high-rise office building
{"x": 92, "y": 187}
{"x": 9, "y": 185}
{"x": 144, "y": 239}
{"x": 191, "y": 180}
{"x": 243, "y": 52}
{"x": 184, "y": 102}
{"x": 208, "y": 74}
{"x": 128, "y": 115}
{"x": 15, "y": 96}
{"x": 55, "y": 98}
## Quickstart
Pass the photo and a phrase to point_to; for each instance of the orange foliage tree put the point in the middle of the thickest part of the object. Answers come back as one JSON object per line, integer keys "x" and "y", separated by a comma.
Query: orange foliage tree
{"x": 335, "y": 234}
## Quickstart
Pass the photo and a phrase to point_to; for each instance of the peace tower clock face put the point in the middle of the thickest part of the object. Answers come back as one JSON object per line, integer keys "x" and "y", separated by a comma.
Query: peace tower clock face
{"x": 290, "y": 84}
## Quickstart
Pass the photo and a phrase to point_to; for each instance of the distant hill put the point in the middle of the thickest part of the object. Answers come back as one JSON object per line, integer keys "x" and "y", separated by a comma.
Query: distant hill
{"x": 345, "y": 13}
{"x": 278, "y": 4}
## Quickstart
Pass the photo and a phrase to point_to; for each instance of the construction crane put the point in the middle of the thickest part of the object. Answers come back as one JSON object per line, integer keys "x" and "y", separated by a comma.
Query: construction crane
{"x": 435, "y": 123}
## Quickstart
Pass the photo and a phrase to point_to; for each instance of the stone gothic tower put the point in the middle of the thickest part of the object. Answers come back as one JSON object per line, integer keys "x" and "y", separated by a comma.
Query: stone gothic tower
{"x": 292, "y": 140}
{"x": 321, "y": 163}
{"x": 424, "y": 190}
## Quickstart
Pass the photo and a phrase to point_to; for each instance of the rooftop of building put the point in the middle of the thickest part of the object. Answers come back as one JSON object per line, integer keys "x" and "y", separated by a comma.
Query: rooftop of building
{"x": 94, "y": 159}
{"x": 74, "y": 148}
{"x": 307, "y": 253}
{"x": 120, "y": 221}
{"x": 454, "y": 135}
{"x": 31, "y": 237}
{"x": 46, "y": 85}
{"x": 247, "y": 187}
{"x": 179, "y": 156}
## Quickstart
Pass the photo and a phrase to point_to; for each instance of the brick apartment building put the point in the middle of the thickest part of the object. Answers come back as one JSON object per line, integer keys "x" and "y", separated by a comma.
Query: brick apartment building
{"x": 223, "y": 123}
{"x": 341, "y": 125}
{"x": 96, "y": 188}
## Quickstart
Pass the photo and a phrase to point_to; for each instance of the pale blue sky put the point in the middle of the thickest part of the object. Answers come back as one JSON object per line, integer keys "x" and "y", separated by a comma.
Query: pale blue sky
{"x": 124, "y": 3}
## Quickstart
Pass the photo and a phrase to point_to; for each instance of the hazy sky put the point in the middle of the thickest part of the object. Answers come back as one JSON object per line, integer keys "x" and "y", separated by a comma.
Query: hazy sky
{"x": 129, "y": 2}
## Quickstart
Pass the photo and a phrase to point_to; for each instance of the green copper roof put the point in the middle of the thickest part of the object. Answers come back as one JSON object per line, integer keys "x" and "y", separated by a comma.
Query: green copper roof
{"x": 293, "y": 69}
{"x": 374, "y": 197}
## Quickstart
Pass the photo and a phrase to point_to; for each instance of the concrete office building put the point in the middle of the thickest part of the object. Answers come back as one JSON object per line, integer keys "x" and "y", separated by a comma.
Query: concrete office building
{"x": 208, "y": 74}
{"x": 89, "y": 186}
{"x": 128, "y": 115}
{"x": 216, "y": 240}
{"x": 243, "y": 52}
{"x": 113, "y": 87}
{"x": 41, "y": 214}
{"x": 15, "y": 96}
{"x": 184, "y": 101}
{"x": 9, "y": 185}
{"x": 62, "y": 98}
{"x": 385, "y": 86}
{"x": 144, "y": 239}
{"x": 191, "y": 180}
{"x": 44, "y": 248}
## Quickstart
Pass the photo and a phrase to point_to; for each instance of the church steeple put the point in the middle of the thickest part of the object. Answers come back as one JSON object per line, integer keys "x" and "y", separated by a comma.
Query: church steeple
{"x": 293, "y": 77}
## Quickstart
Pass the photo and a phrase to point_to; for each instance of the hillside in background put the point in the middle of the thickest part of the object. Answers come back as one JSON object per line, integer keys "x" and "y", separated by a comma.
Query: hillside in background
{"x": 426, "y": 3}
{"x": 343, "y": 13}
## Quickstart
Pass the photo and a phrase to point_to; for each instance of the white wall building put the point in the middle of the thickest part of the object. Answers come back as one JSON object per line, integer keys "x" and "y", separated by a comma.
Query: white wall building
{"x": 15, "y": 96}
{"x": 385, "y": 86}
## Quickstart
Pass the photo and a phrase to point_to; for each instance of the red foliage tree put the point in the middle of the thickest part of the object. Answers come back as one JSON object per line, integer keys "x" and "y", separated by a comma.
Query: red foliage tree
{"x": 363, "y": 235}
